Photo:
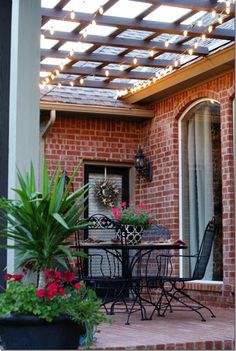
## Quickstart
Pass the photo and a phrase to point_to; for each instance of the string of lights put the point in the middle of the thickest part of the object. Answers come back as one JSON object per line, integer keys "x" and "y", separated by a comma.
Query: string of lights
{"x": 217, "y": 18}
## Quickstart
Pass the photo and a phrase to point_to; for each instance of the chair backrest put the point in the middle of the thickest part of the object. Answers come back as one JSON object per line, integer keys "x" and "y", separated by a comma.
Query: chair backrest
{"x": 101, "y": 221}
{"x": 205, "y": 250}
{"x": 156, "y": 232}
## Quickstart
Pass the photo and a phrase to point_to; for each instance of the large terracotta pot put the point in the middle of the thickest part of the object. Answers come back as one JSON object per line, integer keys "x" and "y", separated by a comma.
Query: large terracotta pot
{"x": 28, "y": 332}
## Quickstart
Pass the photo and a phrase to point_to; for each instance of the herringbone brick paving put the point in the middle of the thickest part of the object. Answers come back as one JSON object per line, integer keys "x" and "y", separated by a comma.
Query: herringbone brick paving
{"x": 176, "y": 331}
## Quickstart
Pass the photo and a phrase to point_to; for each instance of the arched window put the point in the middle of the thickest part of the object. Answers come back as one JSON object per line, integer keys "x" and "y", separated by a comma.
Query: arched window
{"x": 200, "y": 179}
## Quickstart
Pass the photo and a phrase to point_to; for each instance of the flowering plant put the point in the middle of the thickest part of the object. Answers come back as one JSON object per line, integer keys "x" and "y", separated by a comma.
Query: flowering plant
{"x": 133, "y": 214}
{"x": 59, "y": 295}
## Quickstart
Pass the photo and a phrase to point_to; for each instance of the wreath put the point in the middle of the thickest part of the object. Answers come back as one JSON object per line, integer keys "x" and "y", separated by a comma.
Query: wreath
{"x": 106, "y": 192}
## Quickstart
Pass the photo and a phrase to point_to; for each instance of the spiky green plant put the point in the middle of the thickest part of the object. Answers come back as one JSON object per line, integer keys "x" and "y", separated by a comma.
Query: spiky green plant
{"x": 40, "y": 223}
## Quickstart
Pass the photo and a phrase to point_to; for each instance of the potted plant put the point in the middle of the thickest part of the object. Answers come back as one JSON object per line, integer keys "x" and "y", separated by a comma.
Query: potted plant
{"x": 39, "y": 226}
{"x": 133, "y": 219}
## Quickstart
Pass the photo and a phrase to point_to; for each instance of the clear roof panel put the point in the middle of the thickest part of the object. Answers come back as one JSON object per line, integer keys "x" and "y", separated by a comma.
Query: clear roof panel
{"x": 49, "y": 3}
{"x": 87, "y": 6}
{"x": 124, "y": 8}
{"x": 62, "y": 26}
{"x": 76, "y": 46}
{"x": 166, "y": 14}
{"x": 98, "y": 30}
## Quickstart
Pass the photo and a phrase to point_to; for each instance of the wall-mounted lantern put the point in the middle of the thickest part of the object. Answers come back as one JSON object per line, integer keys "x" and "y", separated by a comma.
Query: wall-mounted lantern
{"x": 143, "y": 167}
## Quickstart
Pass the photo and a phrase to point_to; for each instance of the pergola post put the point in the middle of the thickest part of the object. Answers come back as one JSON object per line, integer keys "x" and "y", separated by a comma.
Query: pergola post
{"x": 24, "y": 94}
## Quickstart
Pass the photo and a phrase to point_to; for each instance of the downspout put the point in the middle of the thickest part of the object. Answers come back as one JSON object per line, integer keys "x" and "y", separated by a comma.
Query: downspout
{"x": 49, "y": 124}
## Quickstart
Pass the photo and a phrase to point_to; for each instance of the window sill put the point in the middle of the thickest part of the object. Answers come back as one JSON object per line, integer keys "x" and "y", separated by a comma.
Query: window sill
{"x": 201, "y": 285}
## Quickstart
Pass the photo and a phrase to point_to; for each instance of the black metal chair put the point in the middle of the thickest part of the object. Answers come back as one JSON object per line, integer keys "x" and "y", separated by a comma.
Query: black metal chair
{"x": 145, "y": 269}
{"x": 172, "y": 288}
{"x": 101, "y": 270}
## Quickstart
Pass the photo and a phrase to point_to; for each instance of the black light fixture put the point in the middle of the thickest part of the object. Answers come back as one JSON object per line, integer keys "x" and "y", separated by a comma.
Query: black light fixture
{"x": 143, "y": 167}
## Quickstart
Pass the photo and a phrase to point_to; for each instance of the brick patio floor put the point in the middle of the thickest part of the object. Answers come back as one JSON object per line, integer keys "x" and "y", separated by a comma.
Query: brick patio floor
{"x": 175, "y": 331}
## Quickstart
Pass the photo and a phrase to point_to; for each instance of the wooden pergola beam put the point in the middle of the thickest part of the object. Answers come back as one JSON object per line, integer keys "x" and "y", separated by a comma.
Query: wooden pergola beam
{"x": 149, "y": 62}
{"x": 127, "y": 43}
{"x": 92, "y": 84}
{"x": 85, "y": 71}
{"x": 150, "y": 26}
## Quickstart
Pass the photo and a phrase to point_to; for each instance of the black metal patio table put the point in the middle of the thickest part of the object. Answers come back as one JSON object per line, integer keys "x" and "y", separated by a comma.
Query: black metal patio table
{"x": 136, "y": 263}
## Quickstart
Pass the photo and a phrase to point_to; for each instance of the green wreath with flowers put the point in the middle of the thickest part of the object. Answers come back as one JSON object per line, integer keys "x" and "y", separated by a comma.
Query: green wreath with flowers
{"x": 106, "y": 192}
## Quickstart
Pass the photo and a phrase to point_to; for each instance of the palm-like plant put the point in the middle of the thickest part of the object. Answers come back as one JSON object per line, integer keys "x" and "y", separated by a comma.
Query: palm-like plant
{"x": 40, "y": 223}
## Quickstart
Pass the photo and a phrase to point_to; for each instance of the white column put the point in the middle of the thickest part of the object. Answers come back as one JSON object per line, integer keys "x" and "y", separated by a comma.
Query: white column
{"x": 24, "y": 93}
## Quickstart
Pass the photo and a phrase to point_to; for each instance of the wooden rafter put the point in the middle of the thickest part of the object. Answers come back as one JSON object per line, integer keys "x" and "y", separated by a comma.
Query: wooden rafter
{"x": 94, "y": 84}
{"x": 150, "y": 26}
{"x": 127, "y": 60}
{"x": 86, "y": 71}
{"x": 127, "y": 43}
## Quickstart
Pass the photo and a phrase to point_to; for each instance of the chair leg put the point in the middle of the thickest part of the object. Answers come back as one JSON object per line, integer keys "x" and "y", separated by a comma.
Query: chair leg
{"x": 173, "y": 296}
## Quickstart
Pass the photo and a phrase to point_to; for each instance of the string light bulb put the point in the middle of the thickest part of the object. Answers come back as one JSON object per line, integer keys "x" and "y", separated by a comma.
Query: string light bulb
{"x": 52, "y": 76}
{"x": 52, "y": 30}
{"x": 166, "y": 43}
{"x": 213, "y": 13}
{"x": 100, "y": 10}
{"x": 185, "y": 33}
{"x": 220, "y": 20}
{"x": 93, "y": 23}
{"x": 59, "y": 85}
{"x": 81, "y": 81}
{"x": 61, "y": 66}
{"x": 57, "y": 72}
{"x": 71, "y": 83}
{"x": 135, "y": 61}
{"x": 151, "y": 53}
{"x": 210, "y": 28}
{"x": 203, "y": 36}
{"x": 227, "y": 10}
{"x": 106, "y": 73}
{"x": 190, "y": 51}
{"x": 72, "y": 14}
{"x": 47, "y": 80}
{"x": 199, "y": 23}
{"x": 176, "y": 63}
{"x": 72, "y": 52}
{"x": 195, "y": 45}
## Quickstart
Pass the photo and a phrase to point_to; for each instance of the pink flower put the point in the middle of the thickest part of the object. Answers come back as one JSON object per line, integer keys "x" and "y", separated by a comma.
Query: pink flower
{"x": 142, "y": 206}
{"x": 136, "y": 212}
{"x": 149, "y": 220}
{"x": 77, "y": 285}
{"x": 40, "y": 292}
{"x": 123, "y": 204}
{"x": 7, "y": 276}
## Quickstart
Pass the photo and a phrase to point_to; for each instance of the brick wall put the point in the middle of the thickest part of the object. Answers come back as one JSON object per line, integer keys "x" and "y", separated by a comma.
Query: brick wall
{"x": 71, "y": 139}
{"x": 162, "y": 148}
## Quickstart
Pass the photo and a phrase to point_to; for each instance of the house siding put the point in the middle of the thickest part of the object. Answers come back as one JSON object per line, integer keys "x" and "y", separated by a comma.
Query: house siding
{"x": 116, "y": 141}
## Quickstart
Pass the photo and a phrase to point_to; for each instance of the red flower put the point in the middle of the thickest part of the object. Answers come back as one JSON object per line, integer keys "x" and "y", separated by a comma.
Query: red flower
{"x": 77, "y": 285}
{"x": 123, "y": 204}
{"x": 51, "y": 294}
{"x": 41, "y": 292}
{"x": 68, "y": 276}
{"x": 17, "y": 277}
{"x": 7, "y": 276}
{"x": 50, "y": 273}
{"x": 61, "y": 291}
{"x": 52, "y": 287}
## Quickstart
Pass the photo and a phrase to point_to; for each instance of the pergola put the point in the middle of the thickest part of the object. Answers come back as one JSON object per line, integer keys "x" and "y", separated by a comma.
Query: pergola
{"x": 129, "y": 46}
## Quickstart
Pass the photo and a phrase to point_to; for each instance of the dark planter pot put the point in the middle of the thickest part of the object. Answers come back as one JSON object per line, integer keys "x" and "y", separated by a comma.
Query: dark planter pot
{"x": 28, "y": 332}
